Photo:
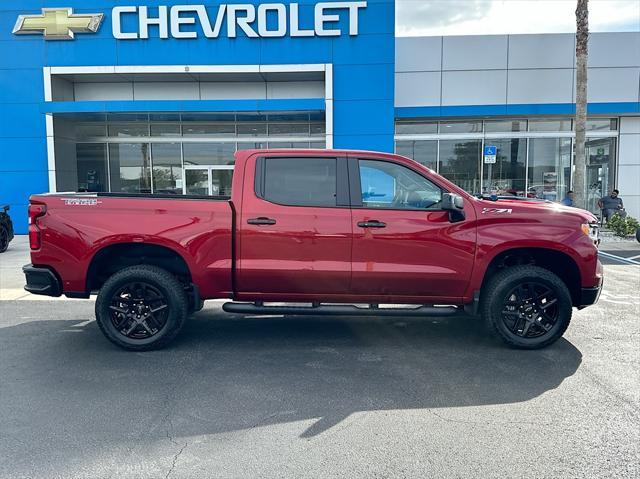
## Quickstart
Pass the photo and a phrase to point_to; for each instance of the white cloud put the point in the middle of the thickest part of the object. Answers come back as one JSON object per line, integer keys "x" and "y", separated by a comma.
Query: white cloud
{"x": 482, "y": 17}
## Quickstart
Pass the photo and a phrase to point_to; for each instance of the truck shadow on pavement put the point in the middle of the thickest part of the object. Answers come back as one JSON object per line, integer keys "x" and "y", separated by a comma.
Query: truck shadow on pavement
{"x": 228, "y": 373}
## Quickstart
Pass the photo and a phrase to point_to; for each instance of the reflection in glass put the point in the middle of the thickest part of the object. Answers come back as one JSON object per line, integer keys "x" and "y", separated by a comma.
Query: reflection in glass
{"x": 549, "y": 168}
{"x": 165, "y": 129}
{"x": 288, "y": 144}
{"x": 507, "y": 175}
{"x": 460, "y": 163}
{"x": 562, "y": 124}
{"x": 288, "y": 129}
{"x": 92, "y": 167}
{"x": 128, "y": 130}
{"x": 167, "y": 168}
{"x": 461, "y": 127}
{"x": 599, "y": 179}
{"x": 197, "y": 182}
{"x": 209, "y": 129}
{"x": 252, "y": 129}
{"x": 422, "y": 151}
{"x": 130, "y": 167}
{"x": 496, "y": 126}
{"x": 90, "y": 130}
{"x": 221, "y": 182}
{"x": 413, "y": 127}
{"x": 209, "y": 153}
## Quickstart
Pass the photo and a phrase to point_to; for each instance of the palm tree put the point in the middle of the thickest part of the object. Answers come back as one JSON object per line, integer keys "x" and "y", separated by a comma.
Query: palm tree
{"x": 582, "y": 38}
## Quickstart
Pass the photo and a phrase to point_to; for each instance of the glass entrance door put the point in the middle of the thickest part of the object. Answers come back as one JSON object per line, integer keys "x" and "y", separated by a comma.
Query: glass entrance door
{"x": 208, "y": 180}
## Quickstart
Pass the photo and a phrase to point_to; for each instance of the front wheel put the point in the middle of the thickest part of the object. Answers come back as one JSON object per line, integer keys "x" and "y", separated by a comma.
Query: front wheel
{"x": 141, "y": 308}
{"x": 527, "y": 306}
{"x": 4, "y": 238}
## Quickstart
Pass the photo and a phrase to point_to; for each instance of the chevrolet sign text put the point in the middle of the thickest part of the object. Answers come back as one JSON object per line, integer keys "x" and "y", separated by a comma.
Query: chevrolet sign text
{"x": 178, "y": 21}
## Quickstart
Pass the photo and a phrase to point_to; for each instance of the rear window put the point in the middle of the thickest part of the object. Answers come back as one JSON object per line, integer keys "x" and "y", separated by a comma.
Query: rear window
{"x": 299, "y": 181}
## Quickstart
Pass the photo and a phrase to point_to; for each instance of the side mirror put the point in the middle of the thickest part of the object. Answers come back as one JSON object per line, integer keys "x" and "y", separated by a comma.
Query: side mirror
{"x": 455, "y": 205}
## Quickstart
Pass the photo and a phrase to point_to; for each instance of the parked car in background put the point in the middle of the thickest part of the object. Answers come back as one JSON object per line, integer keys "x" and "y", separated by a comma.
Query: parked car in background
{"x": 6, "y": 228}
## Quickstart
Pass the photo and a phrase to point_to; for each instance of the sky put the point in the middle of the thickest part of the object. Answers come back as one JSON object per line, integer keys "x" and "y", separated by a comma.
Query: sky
{"x": 482, "y": 17}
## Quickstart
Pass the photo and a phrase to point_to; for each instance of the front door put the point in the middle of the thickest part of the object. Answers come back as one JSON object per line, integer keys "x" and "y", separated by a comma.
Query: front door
{"x": 404, "y": 245}
{"x": 295, "y": 229}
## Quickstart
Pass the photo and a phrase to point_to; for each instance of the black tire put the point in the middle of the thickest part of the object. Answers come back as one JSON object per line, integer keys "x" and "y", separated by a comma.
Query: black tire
{"x": 516, "y": 307}
{"x": 155, "y": 294}
{"x": 4, "y": 238}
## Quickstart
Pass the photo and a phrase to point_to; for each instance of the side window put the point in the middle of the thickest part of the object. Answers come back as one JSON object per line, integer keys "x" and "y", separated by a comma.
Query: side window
{"x": 299, "y": 181}
{"x": 389, "y": 185}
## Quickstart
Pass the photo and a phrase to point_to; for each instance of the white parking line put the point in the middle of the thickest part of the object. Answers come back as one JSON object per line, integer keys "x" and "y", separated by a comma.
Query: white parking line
{"x": 619, "y": 258}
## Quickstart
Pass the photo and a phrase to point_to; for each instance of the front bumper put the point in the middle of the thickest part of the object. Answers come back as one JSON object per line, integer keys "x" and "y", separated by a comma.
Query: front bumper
{"x": 589, "y": 296}
{"x": 41, "y": 281}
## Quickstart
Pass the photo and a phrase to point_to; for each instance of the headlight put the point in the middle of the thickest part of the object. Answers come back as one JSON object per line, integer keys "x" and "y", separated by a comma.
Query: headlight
{"x": 592, "y": 230}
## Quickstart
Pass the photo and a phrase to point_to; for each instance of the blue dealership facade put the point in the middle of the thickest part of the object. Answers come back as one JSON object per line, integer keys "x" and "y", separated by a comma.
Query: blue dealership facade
{"x": 156, "y": 97}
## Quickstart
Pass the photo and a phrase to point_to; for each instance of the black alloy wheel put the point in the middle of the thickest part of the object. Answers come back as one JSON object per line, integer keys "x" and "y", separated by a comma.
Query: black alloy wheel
{"x": 141, "y": 308}
{"x": 530, "y": 310}
{"x": 528, "y": 307}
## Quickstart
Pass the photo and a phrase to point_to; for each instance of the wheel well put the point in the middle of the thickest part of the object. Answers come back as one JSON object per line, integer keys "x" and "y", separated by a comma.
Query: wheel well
{"x": 113, "y": 258}
{"x": 558, "y": 263}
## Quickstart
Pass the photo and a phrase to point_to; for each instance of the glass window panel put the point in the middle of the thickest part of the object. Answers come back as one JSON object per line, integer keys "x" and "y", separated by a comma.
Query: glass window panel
{"x": 389, "y": 185}
{"x": 413, "y": 127}
{"x": 318, "y": 145}
{"x": 602, "y": 124}
{"x": 251, "y": 117}
{"x": 507, "y": 175}
{"x": 497, "y": 126}
{"x": 288, "y": 144}
{"x": 165, "y": 129}
{"x": 318, "y": 129}
{"x": 197, "y": 182}
{"x": 461, "y": 127}
{"x": 128, "y": 130}
{"x": 92, "y": 167}
{"x": 90, "y": 130}
{"x": 209, "y": 129}
{"x": 209, "y": 153}
{"x": 300, "y": 181}
{"x": 288, "y": 129}
{"x": 252, "y": 129}
{"x": 460, "y": 163}
{"x": 167, "y": 168}
{"x": 562, "y": 124}
{"x": 130, "y": 167}
{"x": 221, "y": 182}
{"x": 599, "y": 179}
{"x": 243, "y": 145}
{"x": 423, "y": 151}
{"x": 289, "y": 117}
{"x": 549, "y": 168}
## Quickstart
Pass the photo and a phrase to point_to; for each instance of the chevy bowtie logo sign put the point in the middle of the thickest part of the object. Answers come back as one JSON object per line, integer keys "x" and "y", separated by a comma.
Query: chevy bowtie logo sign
{"x": 58, "y": 23}
{"x": 192, "y": 21}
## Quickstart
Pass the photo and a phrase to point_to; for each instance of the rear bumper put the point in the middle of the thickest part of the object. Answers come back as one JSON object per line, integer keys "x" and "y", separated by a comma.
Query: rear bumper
{"x": 41, "y": 281}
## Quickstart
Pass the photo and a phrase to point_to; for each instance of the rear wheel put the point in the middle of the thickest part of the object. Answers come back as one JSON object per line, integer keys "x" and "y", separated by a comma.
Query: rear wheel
{"x": 4, "y": 238}
{"x": 527, "y": 306}
{"x": 141, "y": 308}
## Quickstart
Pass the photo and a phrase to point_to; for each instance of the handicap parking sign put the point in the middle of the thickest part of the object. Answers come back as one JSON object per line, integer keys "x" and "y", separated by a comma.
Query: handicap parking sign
{"x": 490, "y": 153}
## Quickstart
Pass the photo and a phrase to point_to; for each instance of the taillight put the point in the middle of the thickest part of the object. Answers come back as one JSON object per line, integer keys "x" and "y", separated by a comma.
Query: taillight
{"x": 35, "y": 212}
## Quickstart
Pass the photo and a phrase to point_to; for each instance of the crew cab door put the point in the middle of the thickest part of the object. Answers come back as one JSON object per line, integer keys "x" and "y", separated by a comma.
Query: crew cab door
{"x": 404, "y": 244}
{"x": 295, "y": 228}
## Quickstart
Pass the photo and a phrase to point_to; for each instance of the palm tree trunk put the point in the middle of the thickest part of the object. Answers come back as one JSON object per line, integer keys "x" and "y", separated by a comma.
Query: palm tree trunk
{"x": 582, "y": 37}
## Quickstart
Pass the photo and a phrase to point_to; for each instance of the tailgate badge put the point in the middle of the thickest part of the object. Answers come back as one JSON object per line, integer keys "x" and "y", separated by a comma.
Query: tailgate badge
{"x": 81, "y": 201}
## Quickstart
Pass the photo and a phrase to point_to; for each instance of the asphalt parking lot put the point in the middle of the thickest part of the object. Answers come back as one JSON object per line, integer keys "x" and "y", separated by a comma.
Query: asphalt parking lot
{"x": 240, "y": 396}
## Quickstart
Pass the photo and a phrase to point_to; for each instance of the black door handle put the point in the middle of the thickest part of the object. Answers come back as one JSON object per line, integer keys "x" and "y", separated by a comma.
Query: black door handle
{"x": 372, "y": 224}
{"x": 261, "y": 221}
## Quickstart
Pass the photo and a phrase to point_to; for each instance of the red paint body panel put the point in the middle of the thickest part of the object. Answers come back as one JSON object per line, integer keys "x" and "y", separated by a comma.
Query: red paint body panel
{"x": 311, "y": 253}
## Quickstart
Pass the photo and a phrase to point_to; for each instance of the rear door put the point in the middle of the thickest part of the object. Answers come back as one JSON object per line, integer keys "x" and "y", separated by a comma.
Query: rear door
{"x": 295, "y": 228}
{"x": 404, "y": 245}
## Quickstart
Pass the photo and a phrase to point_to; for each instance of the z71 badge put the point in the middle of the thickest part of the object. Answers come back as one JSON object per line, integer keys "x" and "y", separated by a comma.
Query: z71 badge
{"x": 497, "y": 211}
{"x": 81, "y": 201}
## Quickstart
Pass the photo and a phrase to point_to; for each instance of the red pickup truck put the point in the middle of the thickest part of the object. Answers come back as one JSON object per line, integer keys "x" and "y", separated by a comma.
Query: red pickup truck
{"x": 317, "y": 232}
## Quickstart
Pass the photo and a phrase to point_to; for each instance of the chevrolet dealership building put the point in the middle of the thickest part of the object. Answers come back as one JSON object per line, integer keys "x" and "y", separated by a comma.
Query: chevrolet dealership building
{"x": 106, "y": 95}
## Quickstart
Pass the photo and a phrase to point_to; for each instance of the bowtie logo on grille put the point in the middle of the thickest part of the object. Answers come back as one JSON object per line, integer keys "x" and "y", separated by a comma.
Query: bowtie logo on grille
{"x": 58, "y": 23}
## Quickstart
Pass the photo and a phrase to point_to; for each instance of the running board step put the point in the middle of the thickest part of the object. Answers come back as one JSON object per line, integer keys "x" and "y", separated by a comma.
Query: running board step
{"x": 339, "y": 310}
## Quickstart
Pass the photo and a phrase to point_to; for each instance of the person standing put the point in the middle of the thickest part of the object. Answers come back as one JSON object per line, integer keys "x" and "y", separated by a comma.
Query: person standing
{"x": 611, "y": 205}
{"x": 568, "y": 199}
